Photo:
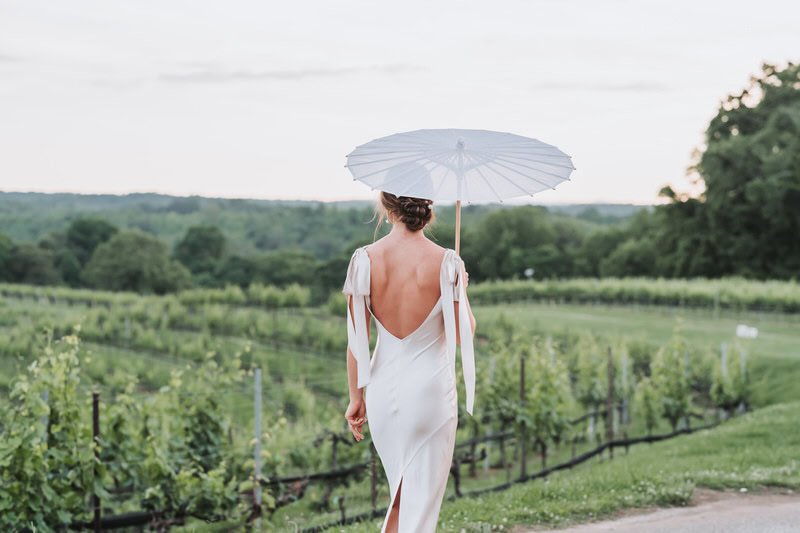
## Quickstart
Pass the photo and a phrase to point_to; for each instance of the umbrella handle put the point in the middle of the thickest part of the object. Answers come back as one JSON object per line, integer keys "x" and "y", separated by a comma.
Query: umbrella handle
{"x": 458, "y": 226}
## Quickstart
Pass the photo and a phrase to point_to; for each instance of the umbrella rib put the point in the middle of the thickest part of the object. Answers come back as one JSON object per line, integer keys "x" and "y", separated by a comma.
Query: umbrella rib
{"x": 518, "y": 172}
{"x": 526, "y": 152}
{"x": 435, "y": 162}
{"x": 448, "y": 168}
{"x": 515, "y": 184}
{"x": 502, "y": 154}
{"x": 570, "y": 167}
{"x": 386, "y": 142}
{"x": 390, "y": 166}
{"x": 478, "y": 170}
{"x": 362, "y": 153}
{"x": 530, "y": 143}
{"x": 418, "y": 140}
{"x": 380, "y": 160}
{"x": 432, "y": 160}
{"x": 501, "y": 158}
{"x": 537, "y": 151}
{"x": 410, "y": 185}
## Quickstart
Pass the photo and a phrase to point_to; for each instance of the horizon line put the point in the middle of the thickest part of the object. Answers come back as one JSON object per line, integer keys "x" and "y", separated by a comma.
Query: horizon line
{"x": 512, "y": 201}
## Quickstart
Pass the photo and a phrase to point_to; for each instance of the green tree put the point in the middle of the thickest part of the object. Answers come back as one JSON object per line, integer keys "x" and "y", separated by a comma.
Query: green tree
{"x": 511, "y": 240}
{"x": 6, "y": 254}
{"x": 751, "y": 170}
{"x": 135, "y": 261}
{"x": 598, "y": 245}
{"x": 634, "y": 257}
{"x": 284, "y": 267}
{"x": 201, "y": 248}
{"x": 64, "y": 258}
{"x": 85, "y": 234}
{"x": 236, "y": 270}
{"x": 32, "y": 264}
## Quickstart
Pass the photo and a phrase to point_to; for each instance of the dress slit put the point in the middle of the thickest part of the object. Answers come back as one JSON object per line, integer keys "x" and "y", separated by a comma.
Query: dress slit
{"x": 434, "y": 498}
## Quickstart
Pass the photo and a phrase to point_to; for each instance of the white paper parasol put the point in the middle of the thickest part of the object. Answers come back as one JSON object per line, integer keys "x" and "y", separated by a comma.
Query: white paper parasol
{"x": 460, "y": 165}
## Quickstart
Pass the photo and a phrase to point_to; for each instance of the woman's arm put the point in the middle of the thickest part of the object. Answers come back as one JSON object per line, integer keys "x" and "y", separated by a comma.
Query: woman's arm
{"x": 356, "y": 413}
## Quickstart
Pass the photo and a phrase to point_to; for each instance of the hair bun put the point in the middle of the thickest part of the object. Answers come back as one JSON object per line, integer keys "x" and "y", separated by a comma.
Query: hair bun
{"x": 415, "y": 213}
{"x": 415, "y": 207}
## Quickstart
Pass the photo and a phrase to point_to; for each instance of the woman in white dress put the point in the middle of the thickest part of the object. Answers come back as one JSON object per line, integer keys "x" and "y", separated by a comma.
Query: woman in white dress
{"x": 416, "y": 290}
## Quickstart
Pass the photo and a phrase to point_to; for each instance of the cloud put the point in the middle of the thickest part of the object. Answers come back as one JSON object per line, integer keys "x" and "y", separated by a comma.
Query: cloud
{"x": 616, "y": 87}
{"x": 6, "y": 58}
{"x": 224, "y": 76}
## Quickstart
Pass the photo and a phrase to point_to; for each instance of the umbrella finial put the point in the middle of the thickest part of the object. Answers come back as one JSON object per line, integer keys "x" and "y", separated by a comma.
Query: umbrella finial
{"x": 460, "y": 143}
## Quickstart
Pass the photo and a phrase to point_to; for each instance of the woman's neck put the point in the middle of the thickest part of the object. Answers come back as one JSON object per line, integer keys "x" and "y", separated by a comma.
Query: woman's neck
{"x": 401, "y": 232}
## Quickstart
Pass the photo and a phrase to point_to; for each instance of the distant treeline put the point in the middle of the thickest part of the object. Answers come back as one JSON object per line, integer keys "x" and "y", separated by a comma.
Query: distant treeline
{"x": 92, "y": 252}
{"x": 250, "y": 226}
{"x": 746, "y": 223}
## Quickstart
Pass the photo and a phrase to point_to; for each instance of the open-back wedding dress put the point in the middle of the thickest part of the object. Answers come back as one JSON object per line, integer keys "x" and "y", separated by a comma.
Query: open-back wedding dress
{"x": 411, "y": 394}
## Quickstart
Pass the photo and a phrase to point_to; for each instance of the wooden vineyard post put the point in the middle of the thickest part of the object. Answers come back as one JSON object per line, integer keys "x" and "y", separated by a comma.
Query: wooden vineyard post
{"x": 257, "y": 447}
{"x": 455, "y": 470}
{"x": 44, "y": 417}
{"x": 96, "y": 439}
{"x": 374, "y": 480}
{"x": 625, "y": 391}
{"x": 610, "y": 406}
{"x": 489, "y": 426}
{"x": 724, "y": 349}
{"x": 742, "y": 407}
{"x": 686, "y": 372}
{"x": 523, "y": 430}
{"x": 473, "y": 447}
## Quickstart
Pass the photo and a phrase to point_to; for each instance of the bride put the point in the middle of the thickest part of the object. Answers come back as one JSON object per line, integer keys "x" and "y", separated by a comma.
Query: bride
{"x": 416, "y": 291}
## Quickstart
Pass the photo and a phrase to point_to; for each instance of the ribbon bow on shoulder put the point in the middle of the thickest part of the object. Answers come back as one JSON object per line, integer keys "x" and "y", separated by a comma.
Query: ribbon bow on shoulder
{"x": 357, "y": 283}
{"x": 453, "y": 290}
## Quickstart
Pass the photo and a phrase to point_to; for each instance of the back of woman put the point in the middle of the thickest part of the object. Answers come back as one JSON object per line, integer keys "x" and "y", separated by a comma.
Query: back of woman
{"x": 405, "y": 283}
{"x": 416, "y": 292}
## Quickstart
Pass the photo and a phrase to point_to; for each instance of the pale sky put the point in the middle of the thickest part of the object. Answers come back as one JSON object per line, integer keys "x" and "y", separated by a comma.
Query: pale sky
{"x": 264, "y": 99}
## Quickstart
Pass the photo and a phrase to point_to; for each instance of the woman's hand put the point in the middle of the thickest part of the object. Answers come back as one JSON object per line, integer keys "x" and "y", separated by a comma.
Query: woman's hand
{"x": 356, "y": 415}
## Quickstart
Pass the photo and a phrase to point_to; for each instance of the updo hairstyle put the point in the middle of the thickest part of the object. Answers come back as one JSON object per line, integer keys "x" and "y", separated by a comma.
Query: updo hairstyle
{"x": 415, "y": 213}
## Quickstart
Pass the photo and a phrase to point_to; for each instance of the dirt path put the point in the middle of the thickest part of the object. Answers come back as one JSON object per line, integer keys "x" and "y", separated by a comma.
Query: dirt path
{"x": 710, "y": 512}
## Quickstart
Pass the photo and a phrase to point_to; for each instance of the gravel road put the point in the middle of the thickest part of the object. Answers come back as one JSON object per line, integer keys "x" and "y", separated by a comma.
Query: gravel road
{"x": 714, "y": 512}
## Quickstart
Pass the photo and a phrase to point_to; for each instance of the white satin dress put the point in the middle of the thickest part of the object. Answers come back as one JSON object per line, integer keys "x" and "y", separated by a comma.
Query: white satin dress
{"x": 411, "y": 391}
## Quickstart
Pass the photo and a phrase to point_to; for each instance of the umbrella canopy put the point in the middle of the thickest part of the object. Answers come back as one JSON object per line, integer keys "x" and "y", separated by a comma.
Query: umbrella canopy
{"x": 453, "y": 164}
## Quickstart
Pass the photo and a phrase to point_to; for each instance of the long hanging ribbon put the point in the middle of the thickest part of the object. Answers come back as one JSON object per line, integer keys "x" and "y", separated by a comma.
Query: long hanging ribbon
{"x": 453, "y": 290}
{"x": 357, "y": 283}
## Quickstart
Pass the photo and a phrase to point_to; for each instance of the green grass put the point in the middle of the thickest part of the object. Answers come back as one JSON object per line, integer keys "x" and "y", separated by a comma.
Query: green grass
{"x": 759, "y": 449}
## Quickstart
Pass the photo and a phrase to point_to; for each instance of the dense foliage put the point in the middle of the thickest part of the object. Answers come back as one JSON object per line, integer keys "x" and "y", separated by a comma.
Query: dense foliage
{"x": 169, "y": 372}
{"x": 746, "y": 222}
{"x": 169, "y": 453}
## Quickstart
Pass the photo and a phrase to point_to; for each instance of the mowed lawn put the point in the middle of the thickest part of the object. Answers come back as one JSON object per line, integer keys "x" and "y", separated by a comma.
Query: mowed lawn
{"x": 774, "y": 356}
